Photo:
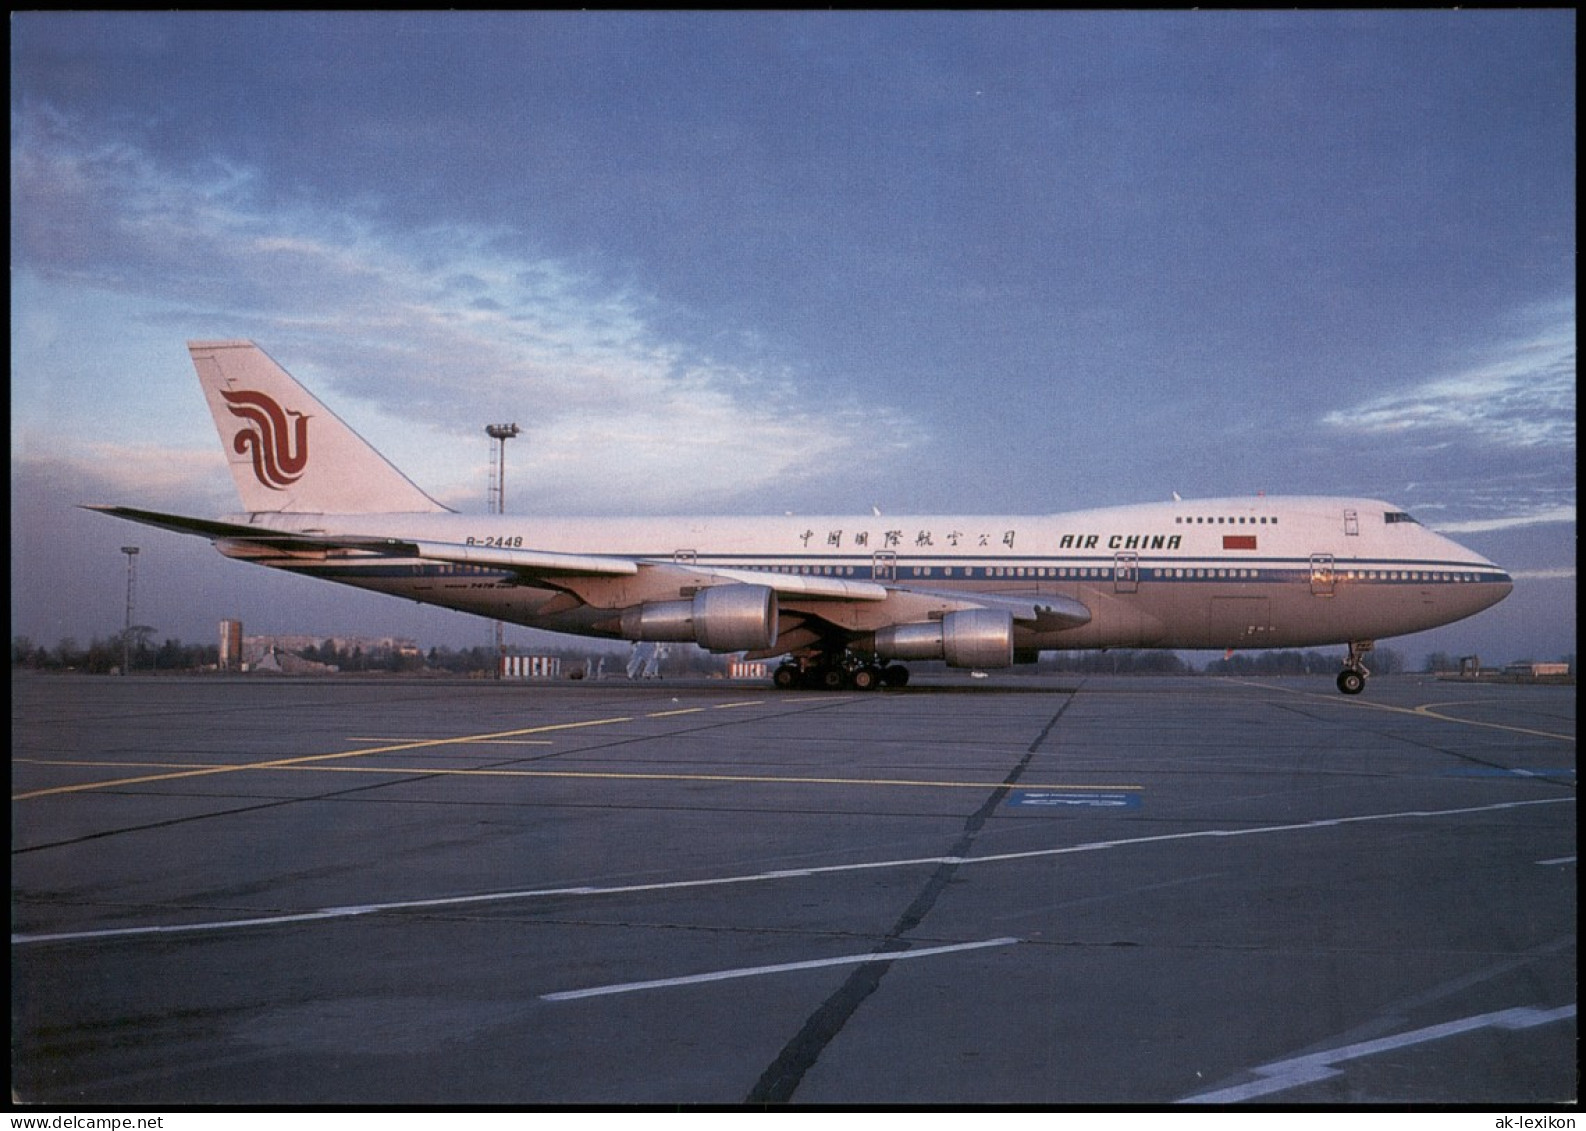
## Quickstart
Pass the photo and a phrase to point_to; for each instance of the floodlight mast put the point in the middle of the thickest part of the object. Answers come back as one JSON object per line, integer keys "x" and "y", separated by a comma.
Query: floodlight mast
{"x": 126, "y": 632}
{"x": 500, "y": 433}
{"x": 497, "y": 503}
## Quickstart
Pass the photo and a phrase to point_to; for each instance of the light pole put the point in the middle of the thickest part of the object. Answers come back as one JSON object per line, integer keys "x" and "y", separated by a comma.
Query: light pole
{"x": 497, "y": 503}
{"x": 500, "y": 433}
{"x": 126, "y": 633}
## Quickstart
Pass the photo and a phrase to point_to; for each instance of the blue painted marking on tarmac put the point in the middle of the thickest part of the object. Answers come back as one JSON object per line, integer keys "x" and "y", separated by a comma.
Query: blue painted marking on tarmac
{"x": 1071, "y": 799}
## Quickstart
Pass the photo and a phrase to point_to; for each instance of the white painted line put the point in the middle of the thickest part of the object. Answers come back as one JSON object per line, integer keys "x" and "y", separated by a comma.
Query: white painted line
{"x": 179, "y": 928}
{"x": 781, "y": 968}
{"x": 1558, "y": 860}
{"x": 764, "y": 877}
{"x": 1282, "y": 1075}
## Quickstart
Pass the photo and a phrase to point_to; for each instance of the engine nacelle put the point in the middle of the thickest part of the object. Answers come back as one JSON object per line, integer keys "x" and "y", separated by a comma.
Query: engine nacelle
{"x": 970, "y": 638}
{"x": 723, "y": 618}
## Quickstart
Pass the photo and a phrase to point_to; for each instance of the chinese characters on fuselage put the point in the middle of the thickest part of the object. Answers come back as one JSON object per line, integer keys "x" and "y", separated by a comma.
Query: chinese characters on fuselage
{"x": 954, "y": 539}
{"x": 894, "y": 539}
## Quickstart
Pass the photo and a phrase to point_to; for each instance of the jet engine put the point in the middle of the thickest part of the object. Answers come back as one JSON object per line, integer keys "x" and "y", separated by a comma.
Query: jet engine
{"x": 722, "y": 618}
{"x": 970, "y": 638}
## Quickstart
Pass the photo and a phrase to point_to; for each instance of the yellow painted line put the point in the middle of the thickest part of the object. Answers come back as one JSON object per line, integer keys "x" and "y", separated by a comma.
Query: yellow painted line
{"x": 669, "y": 714}
{"x": 1425, "y": 711}
{"x": 464, "y": 742}
{"x": 745, "y": 703}
{"x": 598, "y": 775}
{"x": 287, "y": 763}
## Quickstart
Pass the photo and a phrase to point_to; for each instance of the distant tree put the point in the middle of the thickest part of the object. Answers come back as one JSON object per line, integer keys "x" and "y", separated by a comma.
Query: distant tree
{"x": 169, "y": 656}
{"x": 68, "y": 654}
{"x": 466, "y": 662}
{"x": 1119, "y": 661}
{"x": 22, "y": 652}
{"x": 1272, "y": 663}
{"x": 105, "y": 655}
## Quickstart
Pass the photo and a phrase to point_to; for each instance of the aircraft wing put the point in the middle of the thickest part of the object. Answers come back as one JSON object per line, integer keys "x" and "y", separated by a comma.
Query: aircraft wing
{"x": 795, "y": 585}
{"x": 1045, "y": 612}
{"x": 534, "y": 565}
{"x": 549, "y": 565}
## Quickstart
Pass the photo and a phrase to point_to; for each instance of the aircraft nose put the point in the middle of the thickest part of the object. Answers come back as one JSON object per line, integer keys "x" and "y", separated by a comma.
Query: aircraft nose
{"x": 1492, "y": 582}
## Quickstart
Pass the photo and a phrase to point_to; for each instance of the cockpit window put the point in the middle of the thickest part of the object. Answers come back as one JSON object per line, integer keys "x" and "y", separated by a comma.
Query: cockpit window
{"x": 1399, "y": 516}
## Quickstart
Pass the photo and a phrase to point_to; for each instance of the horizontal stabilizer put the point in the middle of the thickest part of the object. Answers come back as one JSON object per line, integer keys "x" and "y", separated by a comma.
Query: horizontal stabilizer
{"x": 535, "y": 563}
{"x": 209, "y": 528}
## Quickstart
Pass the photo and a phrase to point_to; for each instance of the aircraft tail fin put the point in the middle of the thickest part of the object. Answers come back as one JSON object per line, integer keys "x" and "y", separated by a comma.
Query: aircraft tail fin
{"x": 287, "y": 451}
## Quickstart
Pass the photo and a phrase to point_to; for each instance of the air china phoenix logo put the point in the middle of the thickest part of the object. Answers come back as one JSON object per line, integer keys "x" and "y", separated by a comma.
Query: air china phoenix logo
{"x": 277, "y": 440}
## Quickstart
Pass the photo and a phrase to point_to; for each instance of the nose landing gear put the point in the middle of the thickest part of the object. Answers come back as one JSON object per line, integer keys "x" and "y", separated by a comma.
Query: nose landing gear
{"x": 1352, "y": 680}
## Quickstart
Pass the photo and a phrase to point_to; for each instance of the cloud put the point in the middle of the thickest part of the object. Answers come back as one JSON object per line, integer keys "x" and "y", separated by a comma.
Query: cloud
{"x": 440, "y": 330}
{"x": 1545, "y": 517}
{"x": 1519, "y": 393}
{"x": 1562, "y": 573}
{"x": 145, "y": 475}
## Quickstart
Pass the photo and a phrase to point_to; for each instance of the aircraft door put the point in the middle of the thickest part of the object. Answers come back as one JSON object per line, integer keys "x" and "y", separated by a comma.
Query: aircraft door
{"x": 1322, "y": 575}
{"x": 884, "y": 566}
{"x": 1351, "y": 523}
{"x": 1126, "y": 573}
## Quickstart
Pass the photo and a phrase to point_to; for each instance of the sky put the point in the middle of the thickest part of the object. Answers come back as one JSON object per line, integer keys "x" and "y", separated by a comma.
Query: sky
{"x": 739, "y": 263}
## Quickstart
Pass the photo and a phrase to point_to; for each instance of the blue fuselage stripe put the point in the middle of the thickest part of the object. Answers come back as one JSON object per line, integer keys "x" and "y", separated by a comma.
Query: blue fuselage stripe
{"x": 1031, "y": 569}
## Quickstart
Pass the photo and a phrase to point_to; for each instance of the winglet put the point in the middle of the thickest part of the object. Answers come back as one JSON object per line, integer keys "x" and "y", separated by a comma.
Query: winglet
{"x": 287, "y": 451}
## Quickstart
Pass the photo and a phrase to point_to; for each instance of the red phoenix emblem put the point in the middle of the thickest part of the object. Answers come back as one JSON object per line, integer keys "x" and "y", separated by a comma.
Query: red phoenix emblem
{"x": 277, "y": 442}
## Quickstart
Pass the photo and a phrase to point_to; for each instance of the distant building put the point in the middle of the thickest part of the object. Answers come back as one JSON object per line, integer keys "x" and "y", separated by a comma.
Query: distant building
{"x": 746, "y": 669}
{"x": 267, "y": 659}
{"x": 285, "y": 653}
{"x": 230, "y": 645}
{"x": 368, "y": 645}
{"x": 1536, "y": 670}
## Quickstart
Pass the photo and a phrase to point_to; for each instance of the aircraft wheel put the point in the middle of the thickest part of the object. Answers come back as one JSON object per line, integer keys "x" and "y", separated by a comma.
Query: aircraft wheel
{"x": 786, "y": 677}
{"x": 895, "y": 675}
{"x": 867, "y": 678}
{"x": 1351, "y": 682}
{"x": 834, "y": 679}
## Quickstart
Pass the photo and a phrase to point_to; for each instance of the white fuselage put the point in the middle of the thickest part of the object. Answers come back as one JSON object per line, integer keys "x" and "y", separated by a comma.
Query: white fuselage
{"x": 1215, "y": 573}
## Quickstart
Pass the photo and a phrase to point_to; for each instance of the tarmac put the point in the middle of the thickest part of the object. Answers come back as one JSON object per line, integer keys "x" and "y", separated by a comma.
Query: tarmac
{"x": 1010, "y": 891}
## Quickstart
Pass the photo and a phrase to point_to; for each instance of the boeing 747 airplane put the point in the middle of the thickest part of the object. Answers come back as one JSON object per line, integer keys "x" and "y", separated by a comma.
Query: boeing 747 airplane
{"x": 844, "y": 599}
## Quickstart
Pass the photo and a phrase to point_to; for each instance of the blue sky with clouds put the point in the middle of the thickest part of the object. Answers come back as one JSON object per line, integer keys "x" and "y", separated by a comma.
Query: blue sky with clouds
{"x": 743, "y": 262}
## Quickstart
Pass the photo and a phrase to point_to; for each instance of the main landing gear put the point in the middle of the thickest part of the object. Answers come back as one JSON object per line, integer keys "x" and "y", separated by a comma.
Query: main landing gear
{"x": 1352, "y": 680}
{"x": 837, "y": 671}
